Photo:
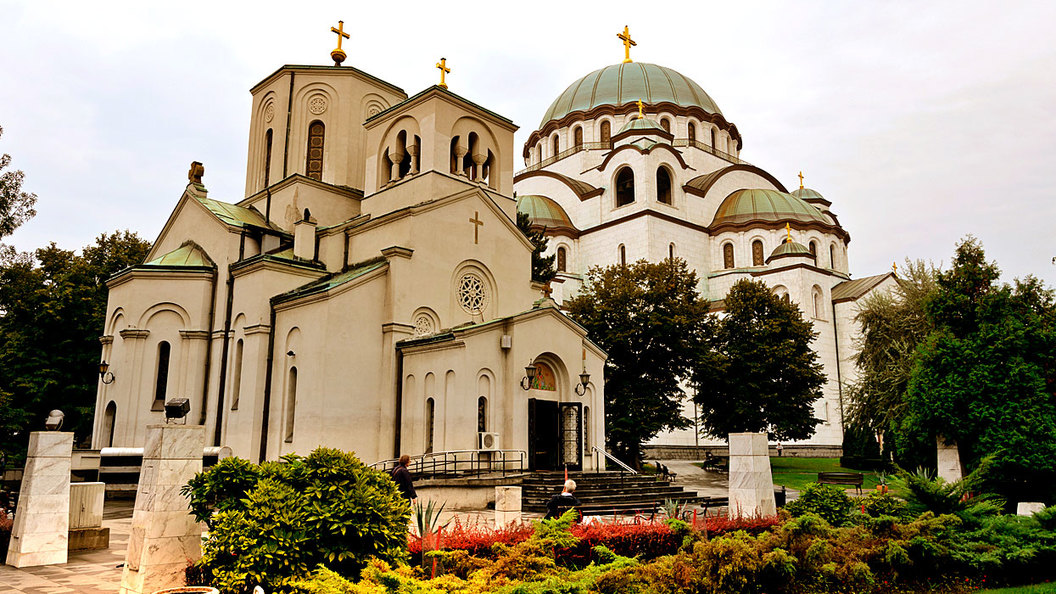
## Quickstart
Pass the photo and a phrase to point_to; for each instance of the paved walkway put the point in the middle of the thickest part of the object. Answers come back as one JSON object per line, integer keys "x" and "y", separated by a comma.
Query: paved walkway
{"x": 90, "y": 572}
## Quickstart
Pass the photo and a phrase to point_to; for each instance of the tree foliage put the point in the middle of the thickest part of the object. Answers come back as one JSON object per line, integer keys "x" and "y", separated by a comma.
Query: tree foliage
{"x": 757, "y": 372}
{"x": 16, "y": 206}
{"x": 52, "y": 305}
{"x": 650, "y": 320}
{"x": 986, "y": 373}
{"x": 542, "y": 266}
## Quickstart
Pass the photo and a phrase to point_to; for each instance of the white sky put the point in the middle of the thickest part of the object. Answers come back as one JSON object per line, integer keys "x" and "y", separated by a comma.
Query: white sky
{"x": 921, "y": 121}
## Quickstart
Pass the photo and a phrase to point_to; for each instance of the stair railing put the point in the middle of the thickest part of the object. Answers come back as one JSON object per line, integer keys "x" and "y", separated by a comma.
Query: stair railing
{"x": 614, "y": 460}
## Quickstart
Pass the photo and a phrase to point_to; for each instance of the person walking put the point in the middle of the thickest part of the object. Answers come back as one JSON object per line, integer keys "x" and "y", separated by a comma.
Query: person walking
{"x": 558, "y": 504}
{"x": 403, "y": 480}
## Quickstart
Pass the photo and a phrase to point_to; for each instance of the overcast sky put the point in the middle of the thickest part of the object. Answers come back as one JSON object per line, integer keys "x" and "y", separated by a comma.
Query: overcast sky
{"x": 921, "y": 121}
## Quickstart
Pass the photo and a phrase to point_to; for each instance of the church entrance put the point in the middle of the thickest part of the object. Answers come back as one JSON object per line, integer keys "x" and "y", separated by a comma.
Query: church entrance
{"x": 555, "y": 435}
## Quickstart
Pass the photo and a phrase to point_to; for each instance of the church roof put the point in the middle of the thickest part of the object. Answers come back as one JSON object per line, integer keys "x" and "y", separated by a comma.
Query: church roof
{"x": 332, "y": 280}
{"x": 810, "y": 196}
{"x": 744, "y": 206}
{"x": 853, "y": 290}
{"x": 790, "y": 249}
{"x": 642, "y": 124}
{"x": 238, "y": 216}
{"x": 629, "y": 82}
{"x": 544, "y": 212}
{"x": 188, "y": 255}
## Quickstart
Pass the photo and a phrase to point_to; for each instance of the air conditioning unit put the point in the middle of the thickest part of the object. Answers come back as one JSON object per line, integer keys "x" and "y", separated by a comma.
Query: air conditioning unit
{"x": 488, "y": 441}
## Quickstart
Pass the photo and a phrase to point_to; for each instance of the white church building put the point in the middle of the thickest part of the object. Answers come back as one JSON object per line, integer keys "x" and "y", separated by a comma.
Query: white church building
{"x": 371, "y": 291}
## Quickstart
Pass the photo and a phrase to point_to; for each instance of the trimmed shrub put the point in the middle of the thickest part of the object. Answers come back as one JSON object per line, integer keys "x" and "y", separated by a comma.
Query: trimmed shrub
{"x": 827, "y": 501}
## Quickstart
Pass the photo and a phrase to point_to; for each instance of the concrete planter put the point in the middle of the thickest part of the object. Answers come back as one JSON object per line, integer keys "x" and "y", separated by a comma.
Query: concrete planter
{"x": 189, "y": 590}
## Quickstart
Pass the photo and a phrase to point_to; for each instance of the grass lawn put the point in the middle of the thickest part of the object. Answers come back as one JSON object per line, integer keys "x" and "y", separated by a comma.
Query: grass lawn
{"x": 1036, "y": 589}
{"x": 796, "y": 473}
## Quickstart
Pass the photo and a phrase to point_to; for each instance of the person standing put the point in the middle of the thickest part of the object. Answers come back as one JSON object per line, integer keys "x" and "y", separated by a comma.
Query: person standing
{"x": 558, "y": 504}
{"x": 403, "y": 480}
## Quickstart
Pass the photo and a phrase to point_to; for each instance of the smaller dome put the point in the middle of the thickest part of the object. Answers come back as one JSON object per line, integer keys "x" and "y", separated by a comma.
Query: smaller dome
{"x": 544, "y": 212}
{"x": 743, "y": 206}
{"x": 790, "y": 248}
{"x": 807, "y": 194}
{"x": 642, "y": 124}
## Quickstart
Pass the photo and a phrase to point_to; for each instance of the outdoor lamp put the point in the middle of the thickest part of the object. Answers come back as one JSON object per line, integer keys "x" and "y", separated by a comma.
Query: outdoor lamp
{"x": 104, "y": 373}
{"x": 54, "y": 420}
{"x": 177, "y": 408}
{"x": 529, "y": 372}
{"x": 584, "y": 379}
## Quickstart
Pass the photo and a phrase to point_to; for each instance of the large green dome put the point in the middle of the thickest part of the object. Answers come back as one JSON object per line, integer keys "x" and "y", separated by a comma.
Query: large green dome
{"x": 621, "y": 84}
{"x": 752, "y": 205}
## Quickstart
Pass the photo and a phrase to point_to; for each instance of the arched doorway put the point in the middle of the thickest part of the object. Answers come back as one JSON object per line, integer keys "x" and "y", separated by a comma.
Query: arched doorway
{"x": 555, "y": 427}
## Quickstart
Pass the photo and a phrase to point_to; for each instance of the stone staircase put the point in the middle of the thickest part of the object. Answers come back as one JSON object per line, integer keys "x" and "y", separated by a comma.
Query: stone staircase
{"x": 604, "y": 492}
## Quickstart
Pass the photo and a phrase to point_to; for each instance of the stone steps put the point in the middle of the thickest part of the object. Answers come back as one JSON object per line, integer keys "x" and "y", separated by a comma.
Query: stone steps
{"x": 605, "y": 492}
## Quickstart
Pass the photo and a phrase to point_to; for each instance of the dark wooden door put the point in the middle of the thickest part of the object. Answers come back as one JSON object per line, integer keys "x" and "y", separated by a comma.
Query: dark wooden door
{"x": 543, "y": 435}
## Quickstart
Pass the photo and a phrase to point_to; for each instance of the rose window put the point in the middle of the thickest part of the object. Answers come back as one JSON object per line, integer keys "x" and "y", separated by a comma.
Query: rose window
{"x": 423, "y": 325}
{"x": 472, "y": 294}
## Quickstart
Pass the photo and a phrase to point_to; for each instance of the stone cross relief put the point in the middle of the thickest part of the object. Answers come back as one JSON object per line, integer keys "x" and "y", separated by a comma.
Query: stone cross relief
{"x": 477, "y": 224}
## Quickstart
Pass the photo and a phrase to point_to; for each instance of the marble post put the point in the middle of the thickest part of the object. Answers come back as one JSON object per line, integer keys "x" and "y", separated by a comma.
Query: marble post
{"x": 1029, "y": 508}
{"x": 949, "y": 460}
{"x": 165, "y": 537}
{"x": 751, "y": 482}
{"x": 507, "y": 506}
{"x": 42, "y": 523}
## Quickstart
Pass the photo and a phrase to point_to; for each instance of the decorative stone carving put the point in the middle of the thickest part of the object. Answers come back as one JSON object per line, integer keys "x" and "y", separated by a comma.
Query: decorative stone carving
{"x": 423, "y": 324}
{"x": 41, "y": 530}
{"x": 751, "y": 482}
{"x": 317, "y": 105}
{"x": 269, "y": 112}
{"x": 472, "y": 293}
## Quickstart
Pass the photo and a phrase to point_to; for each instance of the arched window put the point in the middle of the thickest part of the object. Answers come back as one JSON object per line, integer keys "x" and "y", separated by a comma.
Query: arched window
{"x": 665, "y": 124}
{"x": 109, "y": 419}
{"x": 562, "y": 260}
{"x": 557, "y": 146}
{"x": 757, "y": 253}
{"x": 577, "y": 136}
{"x": 482, "y": 414}
{"x": 832, "y": 256}
{"x": 813, "y": 247}
{"x": 624, "y": 187}
{"x": 430, "y": 424}
{"x": 663, "y": 185}
{"x": 161, "y": 378}
{"x": 782, "y": 292}
{"x": 267, "y": 158}
{"x": 623, "y": 255}
{"x": 314, "y": 165}
{"x": 291, "y": 403}
{"x": 727, "y": 255}
{"x": 236, "y": 375}
{"x": 606, "y": 131}
{"x": 691, "y": 132}
{"x": 713, "y": 138}
{"x": 817, "y": 300}
{"x": 670, "y": 251}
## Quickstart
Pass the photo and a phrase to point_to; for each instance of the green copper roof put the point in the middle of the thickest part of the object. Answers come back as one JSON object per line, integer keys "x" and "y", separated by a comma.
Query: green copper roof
{"x": 807, "y": 194}
{"x": 621, "y": 84}
{"x": 333, "y": 280}
{"x": 766, "y": 205}
{"x": 543, "y": 211}
{"x": 791, "y": 248}
{"x": 641, "y": 124}
{"x": 189, "y": 254}
{"x": 237, "y": 216}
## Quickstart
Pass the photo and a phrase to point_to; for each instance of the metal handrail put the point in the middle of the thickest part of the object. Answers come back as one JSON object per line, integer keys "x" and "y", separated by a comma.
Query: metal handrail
{"x": 460, "y": 463}
{"x": 709, "y": 149}
{"x": 614, "y": 459}
{"x": 608, "y": 145}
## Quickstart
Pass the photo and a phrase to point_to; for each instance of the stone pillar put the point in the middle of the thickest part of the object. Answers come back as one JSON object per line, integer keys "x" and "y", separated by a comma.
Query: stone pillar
{"x": 1029, "y": 508}
{"x": 949, "y": 460}
{"x": 42, "y": 523}
{"x": 507, "y": 506}
{"x": 751, "y": 483}
{"x": 164, "y": 534}
{"x": 478, "y": 162}
{"x": 412, "y": 150}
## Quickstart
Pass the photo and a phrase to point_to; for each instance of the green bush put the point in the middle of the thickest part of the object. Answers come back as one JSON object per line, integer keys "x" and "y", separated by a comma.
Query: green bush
{"x": 273, "y": 522}
{"x": 885, "y": 504}
{"x": 827, "y": 501}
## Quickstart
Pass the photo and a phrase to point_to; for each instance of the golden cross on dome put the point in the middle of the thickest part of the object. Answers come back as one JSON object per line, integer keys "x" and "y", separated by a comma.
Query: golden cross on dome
{"x": 640, "y": 114}
{"x": 627, "y": 43}
{"x": 800, "y": 180}
{"x": 788, "y": 229}
{"x": 339, "y": 54}
{"x": 894, "y": 268}
{"x": 442, "y": 65}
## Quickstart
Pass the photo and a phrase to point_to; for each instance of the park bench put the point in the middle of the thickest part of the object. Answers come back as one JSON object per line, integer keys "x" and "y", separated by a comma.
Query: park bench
{"x": 842, "y": 478}
{"x": 664, "y": 472}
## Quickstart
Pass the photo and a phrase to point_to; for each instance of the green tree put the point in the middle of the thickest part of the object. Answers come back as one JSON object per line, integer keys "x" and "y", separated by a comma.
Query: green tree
{"x": 986, "y": 373}
{"x": 650, "y": 320}
{"x": 757, "y": 372}
{"x": 52, "y": 305}
{"x": 542, "y": 266}
{"x": 16, "y": 206}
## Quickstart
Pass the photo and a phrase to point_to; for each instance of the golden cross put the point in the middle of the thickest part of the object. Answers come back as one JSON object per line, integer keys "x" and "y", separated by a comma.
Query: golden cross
{"x": 894, "y": 268}
{"x": 627, "y": 43}
{"x": 442, "y": 65}
{"x": 640, "y": 114}
{"x": 788, "y": 229}
{"x": 477, "y": 224}
{"x": 800, "y": 180}
{"x": 340, "y": 30}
